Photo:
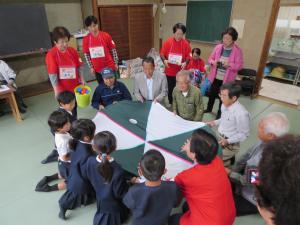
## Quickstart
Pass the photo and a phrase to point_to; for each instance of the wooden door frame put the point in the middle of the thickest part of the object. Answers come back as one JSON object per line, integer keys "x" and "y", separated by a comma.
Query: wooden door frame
{"x": 266, "y": 46}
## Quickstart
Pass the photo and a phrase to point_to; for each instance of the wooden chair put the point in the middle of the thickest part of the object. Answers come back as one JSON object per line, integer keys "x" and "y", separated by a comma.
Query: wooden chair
{"x": 9, "y": 96}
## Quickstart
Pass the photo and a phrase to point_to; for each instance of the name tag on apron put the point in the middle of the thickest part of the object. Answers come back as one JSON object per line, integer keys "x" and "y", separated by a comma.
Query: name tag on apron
{"x": 175, "y": 59}
{"x": 97, "y": 52}
{"x": 67, "y": 73}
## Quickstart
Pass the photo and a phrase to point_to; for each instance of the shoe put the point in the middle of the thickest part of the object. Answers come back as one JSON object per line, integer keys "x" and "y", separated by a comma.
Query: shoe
{"x": 52, "y": 157}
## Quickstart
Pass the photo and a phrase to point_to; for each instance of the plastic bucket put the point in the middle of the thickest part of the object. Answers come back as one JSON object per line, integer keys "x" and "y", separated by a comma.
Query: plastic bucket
{"x": 83, "y": 99}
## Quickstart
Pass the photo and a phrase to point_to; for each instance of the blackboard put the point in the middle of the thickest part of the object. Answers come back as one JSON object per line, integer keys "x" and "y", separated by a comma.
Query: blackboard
{"x": 23, "y": 29}
{"x": 206, "y": 20}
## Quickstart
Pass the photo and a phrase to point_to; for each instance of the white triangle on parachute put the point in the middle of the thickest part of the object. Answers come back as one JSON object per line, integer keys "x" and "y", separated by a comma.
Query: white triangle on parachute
{"x": 125, "y": 138}
{"x": 163, "y": 124}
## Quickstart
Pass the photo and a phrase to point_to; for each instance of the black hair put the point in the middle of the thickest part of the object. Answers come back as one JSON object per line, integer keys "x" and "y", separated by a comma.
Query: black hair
{"x": 59, "y": 33}
{"x": 153, "y": 165}
{"x": 105, "y": 143}
{"x": 65, "y": 97}
{"x": 204, "y": 145}
{"x": 279, "y": 176}
{"x": 232, "y": 32}
{"x": 197, "y": 51}
{"x": 89, "y": 20}
{"x": 148, "y": 59}
{"x": 57, "y": 120}
{"x": 233, "y": 89}
{"x": 178, "y": 26}
{"x": 81, "y": 128}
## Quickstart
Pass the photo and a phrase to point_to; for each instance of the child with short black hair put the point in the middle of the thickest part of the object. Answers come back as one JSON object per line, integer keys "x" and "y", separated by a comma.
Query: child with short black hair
{"x": 108, "y": 180}
{"x": 59, "y": 122}
{"x": 79, "y": 189}
{"x": 151, "y": 202}
{"x": 67, "y": 104}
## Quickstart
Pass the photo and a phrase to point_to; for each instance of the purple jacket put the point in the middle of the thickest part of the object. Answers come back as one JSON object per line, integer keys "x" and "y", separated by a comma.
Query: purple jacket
{"x": 235, "y": 63}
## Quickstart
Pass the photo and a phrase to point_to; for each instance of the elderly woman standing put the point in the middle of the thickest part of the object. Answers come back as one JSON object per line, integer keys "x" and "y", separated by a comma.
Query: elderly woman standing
{"x": 63, "y": 63}
{"x": 226, "y": 60}
{"x": 175, "y": 54}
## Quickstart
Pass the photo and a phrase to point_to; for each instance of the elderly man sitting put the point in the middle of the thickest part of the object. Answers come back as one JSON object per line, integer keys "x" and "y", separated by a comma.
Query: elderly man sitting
{"x": 187, "y": 100}
{"x": 151, "y": 84}
{"x": 243, "y": 174}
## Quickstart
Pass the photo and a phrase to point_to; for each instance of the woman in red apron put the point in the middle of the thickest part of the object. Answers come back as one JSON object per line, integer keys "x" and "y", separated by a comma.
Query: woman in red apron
{"x": 175, "y": 54}
{"x": 99, "y": 49}
{"x": 64, "y": 65}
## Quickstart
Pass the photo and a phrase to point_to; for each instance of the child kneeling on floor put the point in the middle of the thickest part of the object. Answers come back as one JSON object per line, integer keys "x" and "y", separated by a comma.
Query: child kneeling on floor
{"x": 67, "y": 104}
{"x": 59, "y": 122}
{"x": 109, "y": 181}
{"x": 79, "y": 189}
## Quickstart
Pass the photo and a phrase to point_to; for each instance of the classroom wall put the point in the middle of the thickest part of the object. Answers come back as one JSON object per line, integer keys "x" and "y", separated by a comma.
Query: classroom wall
{"x": 65, "y": 14}
{"x": 256, "y": 14}
{"x": 87, "y": 8}
{"x": 31, "y": 69}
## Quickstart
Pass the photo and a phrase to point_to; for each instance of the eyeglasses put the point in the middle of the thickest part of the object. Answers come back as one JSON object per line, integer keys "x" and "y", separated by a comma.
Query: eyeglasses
{"x": 222, "y": 95}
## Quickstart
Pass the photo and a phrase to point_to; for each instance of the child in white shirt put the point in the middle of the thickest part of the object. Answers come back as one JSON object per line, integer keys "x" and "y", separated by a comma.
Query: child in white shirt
{"x": 60, "y": 123}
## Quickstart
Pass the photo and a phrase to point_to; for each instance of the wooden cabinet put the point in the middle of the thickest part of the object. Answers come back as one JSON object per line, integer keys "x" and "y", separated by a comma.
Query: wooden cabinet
{"x": 131, "y": 27}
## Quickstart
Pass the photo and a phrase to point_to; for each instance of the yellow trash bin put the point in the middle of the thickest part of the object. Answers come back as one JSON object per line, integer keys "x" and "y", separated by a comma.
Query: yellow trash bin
{"x": 83, "y": 95}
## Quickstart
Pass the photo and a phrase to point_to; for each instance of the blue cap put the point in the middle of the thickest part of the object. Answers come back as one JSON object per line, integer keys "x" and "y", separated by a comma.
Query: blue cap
{"x": 107, "y": 72}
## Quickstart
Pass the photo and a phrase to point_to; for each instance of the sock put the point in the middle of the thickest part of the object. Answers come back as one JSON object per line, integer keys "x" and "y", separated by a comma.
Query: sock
{"x": 52, "y": 177}
{"x": 52, "y": 157}
{"x": 41, "y": 183}
{"x": 44, "y": 188}
{"x": 62, "y": 213}
{"x": 53, "y": 187}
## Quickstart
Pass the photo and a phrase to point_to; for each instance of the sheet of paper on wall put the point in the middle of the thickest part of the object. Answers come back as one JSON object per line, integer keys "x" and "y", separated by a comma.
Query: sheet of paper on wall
{"x": 239, "y": 26}
{"x": 3, "y": 88}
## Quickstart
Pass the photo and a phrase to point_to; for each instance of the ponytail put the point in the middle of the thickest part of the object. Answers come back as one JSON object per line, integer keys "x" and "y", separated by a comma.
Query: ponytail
{"x": 105, "y": 143}
{"x": 105, "y": 169}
